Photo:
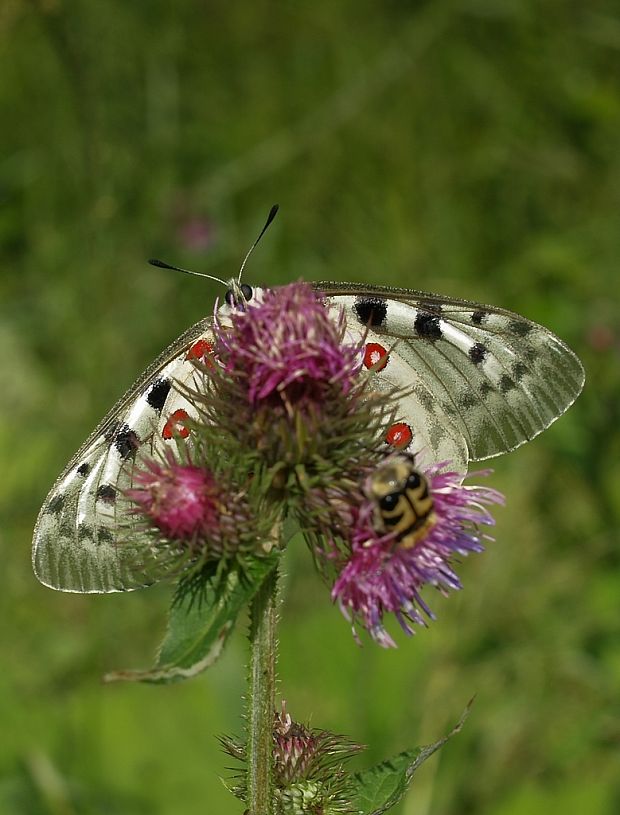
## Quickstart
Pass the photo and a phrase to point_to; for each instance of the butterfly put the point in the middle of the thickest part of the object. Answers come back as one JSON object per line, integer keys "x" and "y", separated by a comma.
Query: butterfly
{"x": 479, "y": 380}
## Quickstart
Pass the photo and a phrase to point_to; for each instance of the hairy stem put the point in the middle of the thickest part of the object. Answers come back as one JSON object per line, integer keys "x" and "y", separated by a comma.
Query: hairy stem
{"x": 261, "y": 696}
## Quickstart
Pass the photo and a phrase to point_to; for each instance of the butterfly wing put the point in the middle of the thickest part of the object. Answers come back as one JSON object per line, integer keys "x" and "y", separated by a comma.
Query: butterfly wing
{"x": 482, "y": 373}
{"x": 83, "y": 538}
{"x": 480, "y": 380}
{"x": 421, "y": 428}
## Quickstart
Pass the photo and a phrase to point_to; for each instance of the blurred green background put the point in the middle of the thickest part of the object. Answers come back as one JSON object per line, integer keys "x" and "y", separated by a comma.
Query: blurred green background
{"x": 469, "y": 148}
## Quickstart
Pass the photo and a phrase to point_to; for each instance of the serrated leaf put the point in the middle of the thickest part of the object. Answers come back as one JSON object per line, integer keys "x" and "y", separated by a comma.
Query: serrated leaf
{"x": 197, "y": 631}
{"x": 381, "y": 787}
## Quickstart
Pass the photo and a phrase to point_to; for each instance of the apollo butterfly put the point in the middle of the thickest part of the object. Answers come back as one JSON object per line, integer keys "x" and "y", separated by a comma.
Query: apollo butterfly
{"x": 479, "y": 380}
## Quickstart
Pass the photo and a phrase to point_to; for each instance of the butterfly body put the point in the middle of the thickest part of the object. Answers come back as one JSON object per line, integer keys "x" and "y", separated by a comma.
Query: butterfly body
{"x": 478, "y": 381}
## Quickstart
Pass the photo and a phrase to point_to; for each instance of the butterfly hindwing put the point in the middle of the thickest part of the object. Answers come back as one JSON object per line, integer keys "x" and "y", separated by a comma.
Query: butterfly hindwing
{"x": 430, "y": 436}
{"x": 495, "y": 377}
{"x": 83, "y": 539}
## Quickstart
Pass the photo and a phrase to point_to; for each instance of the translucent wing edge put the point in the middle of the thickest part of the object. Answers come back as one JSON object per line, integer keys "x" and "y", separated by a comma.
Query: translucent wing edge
{"x": 567, "y": 357}
{"x": 103, "y": 566}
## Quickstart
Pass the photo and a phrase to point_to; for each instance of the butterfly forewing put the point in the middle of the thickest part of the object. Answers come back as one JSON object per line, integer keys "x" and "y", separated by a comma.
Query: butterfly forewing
{"x": 494, "y": 377}
{"x": 86, "y": 539}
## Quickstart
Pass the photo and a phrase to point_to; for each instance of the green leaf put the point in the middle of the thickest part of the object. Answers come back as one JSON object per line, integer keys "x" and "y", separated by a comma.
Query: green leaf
{"x": 381, "y": 787}
{"x": 198, "y": 630}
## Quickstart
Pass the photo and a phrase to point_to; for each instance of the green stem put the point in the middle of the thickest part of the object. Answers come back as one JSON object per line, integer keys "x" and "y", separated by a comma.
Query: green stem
{"x": 261, "y": 696}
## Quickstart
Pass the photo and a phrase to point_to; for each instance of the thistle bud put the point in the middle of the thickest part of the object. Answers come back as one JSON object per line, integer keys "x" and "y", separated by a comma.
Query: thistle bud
{"x": 308, "y": 768}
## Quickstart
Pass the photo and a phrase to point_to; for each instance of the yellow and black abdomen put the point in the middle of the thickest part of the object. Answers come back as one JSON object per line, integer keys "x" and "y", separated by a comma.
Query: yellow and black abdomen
{"x": 408, "y": 511}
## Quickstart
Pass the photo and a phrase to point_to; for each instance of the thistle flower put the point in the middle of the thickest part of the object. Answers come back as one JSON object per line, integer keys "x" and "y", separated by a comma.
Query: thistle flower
{"x": 382, "y": 575}
{"x": 290, "y": 391}
{"x": 181, "y": 500}
{"x": 287, "y": 349}
{"x": 308, "y": 768}
{"x": 195, "y": 512}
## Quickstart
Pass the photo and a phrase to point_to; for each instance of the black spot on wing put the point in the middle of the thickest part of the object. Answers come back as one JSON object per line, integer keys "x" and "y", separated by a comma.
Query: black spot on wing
{"x": 56, "y": 504}
{"x": 104, "y": 535}
{"x": 428, "y": 326}
{"x": 66, "y": 528}
{"x": 106, "y": 493}
{"x": 520, "y": 327}
{"x": 486, "y": 388}
{"x": 84, "y": 532}
{"x": 426, "y": 399}
{"x": 519, "y": 370}
{"x": 126, "y": 441}
{"x": 477, "y": 353}
{"x": 467, "y": 400}
{"x": 83, "y": 469}
{"x": 506, "y": 384}
{"x": 371, "y": 311}
{"x": 158, "y": 393}
{"x": 478, "y": 317}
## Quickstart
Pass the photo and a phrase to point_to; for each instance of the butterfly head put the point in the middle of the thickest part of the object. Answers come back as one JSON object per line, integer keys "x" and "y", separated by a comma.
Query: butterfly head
{"x": 238, "y": 295}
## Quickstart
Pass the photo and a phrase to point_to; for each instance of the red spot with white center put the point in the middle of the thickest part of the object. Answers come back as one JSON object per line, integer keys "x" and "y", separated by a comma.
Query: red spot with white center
{"x": 399, "y": 435}
{"x": 175, "y": 425}
{"x": 375, "y": 356}
{"x": 201, "y": 351}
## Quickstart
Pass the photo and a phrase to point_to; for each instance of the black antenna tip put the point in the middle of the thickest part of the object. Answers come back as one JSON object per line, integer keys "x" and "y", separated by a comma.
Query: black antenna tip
{"x": 160, "y": 263}
{"x": 272, "y": 213}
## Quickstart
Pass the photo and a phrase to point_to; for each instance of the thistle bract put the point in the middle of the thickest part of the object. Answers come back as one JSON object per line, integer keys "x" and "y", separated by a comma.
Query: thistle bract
{"x": 309, "y": 774}
{"x": 199, "y": 516}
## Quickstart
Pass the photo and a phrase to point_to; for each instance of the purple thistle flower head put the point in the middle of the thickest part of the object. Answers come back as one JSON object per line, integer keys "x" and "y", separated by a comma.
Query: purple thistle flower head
{"x": 384, "y": 572}
{"x": 288, "y": 350}
{"x": 181, "y": 500}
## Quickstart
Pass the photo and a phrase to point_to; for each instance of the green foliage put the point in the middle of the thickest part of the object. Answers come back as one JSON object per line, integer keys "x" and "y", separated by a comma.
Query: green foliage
{"x": 469, "y": 149}
{"x": 381, "y": 787}
{"x": 199, "y": 626}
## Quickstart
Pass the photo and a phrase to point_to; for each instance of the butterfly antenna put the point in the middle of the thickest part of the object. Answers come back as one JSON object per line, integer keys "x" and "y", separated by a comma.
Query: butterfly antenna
{"x": 161, "y": 264}
{"x": 272, "y": 214}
